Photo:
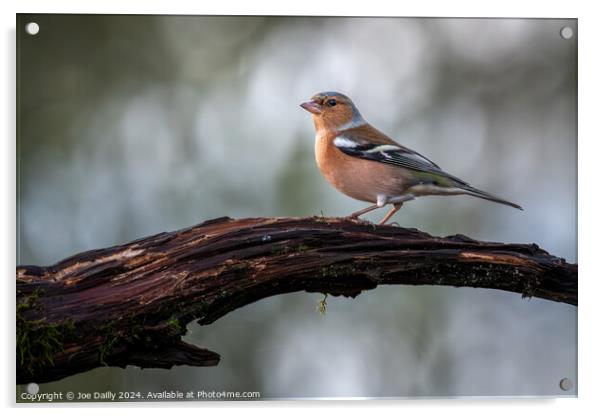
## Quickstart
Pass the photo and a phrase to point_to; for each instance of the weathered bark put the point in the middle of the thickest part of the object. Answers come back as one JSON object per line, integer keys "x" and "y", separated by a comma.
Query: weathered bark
{"x": 130, "y": 304}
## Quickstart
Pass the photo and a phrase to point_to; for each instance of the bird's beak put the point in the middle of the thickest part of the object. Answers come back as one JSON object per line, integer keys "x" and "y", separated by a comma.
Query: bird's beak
{"x": 312, "y": 106}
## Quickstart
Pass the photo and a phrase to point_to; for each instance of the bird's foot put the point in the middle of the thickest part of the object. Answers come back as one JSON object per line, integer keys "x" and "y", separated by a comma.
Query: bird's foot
{"x": 356, "y": 214}
{"x": 395, "y": 208}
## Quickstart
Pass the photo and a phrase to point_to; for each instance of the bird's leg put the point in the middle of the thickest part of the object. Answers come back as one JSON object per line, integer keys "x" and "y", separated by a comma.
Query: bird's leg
{"x": 363, "y": 211}
{"x": 390, "y": 213}
{"x": 397, "y": 203}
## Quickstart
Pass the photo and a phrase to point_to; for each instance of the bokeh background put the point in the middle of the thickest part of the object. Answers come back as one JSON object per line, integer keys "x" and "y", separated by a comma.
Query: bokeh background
{"x": 133, "y": 125}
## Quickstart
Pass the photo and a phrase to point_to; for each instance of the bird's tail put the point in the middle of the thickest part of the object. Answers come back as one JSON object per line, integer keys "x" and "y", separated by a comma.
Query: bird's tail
{"x": 469, "y": 190}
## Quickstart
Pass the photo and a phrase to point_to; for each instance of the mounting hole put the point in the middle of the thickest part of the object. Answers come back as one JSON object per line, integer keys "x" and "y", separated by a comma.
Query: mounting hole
{"x": 33, "y": 388}
{"x": 566, "y": 32}
{"x": 566, "y": 384}
{"x": 32, "y": 28}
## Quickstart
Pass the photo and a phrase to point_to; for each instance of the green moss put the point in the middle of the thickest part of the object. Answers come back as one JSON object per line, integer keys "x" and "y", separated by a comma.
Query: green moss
{"x": 321, "y": 307}
{"x": 174, "y": 324}
{"x": 110, "y": 340}
{"x": 222, "y": 294}
{"x": 38, "y": 341}
{"x": 280, "y": 250}
{"x": 105, "y": 350}
{"x": 302, "y": 247}
{"x": 132, "y": 332}
{"x": 337, "y": 270}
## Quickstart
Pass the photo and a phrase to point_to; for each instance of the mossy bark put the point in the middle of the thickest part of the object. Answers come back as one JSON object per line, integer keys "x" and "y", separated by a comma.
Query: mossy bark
{"x": 129, "y": 304}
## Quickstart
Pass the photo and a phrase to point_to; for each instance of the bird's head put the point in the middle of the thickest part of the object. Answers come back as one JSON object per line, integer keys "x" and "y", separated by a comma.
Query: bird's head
{"x": 333, "y": 111}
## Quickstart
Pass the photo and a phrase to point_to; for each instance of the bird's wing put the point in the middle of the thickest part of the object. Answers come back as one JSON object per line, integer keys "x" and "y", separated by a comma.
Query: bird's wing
{"x": 373, "y": 145}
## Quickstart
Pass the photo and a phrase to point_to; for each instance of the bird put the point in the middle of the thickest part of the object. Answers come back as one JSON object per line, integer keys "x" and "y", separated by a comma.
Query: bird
{"x": 365, "y": 164}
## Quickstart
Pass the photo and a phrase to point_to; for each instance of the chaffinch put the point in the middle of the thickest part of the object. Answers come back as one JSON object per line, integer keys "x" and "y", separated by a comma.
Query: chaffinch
{"x": 365, "y": 164}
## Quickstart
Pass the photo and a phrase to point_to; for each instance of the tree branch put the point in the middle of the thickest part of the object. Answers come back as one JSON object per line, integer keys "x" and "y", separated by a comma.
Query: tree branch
{"x": 129, "y": 304}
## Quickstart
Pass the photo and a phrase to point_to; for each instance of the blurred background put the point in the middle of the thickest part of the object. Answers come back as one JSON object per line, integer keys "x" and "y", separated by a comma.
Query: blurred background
{"x": 133, "y": 125}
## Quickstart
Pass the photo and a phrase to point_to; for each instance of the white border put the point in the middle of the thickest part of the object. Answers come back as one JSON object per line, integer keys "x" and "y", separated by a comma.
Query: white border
{"x": 590, "y": 94}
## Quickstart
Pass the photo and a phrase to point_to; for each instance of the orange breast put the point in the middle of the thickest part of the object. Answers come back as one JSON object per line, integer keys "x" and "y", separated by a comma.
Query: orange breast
{"x": 358, "y": 178}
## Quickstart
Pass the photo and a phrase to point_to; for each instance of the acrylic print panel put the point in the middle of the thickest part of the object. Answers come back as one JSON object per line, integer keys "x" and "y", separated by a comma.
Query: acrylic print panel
{"x": 130, "y": 126}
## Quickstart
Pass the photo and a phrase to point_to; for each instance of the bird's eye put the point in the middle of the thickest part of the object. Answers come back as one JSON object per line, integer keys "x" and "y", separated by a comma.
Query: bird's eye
{"x": 331, "y": 103}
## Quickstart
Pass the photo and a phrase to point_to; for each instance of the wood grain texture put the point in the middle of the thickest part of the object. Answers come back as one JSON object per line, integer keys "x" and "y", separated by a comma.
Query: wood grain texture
{"x": 129, "y": 304}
